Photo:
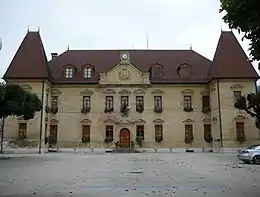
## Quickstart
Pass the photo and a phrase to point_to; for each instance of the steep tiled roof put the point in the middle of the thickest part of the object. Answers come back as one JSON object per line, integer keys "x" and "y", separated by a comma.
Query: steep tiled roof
{"x": 30, "y": 60}
{"x": 104, "y": 60}
{"x": 230, "y": 61}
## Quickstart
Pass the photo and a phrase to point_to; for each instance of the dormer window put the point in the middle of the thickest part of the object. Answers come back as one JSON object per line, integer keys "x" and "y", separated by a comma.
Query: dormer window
{"x": 156, "y": 71}
{"x": 184, "y": 70}
{"x": 87, "y": 73}
{"x": 69, "y": 73}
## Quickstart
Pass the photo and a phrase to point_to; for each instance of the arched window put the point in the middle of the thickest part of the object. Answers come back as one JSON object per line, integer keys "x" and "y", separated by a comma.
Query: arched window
{"x": 69, "y": 73}
{"x": 156, "y": 71}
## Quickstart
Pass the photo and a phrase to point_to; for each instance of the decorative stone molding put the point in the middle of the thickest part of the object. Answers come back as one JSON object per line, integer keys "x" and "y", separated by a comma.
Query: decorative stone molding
{"x": 139, "y": 91}
{"x": 47, "y": 90}
{"x": 86, "y": 92}
{"x": 205, "y": 92}
{"x": 240, "y": 118}
{"x": 206, "y": 120}
{"x": 125, "y": 122}
{"x": 55, "y": 92}
{"x": 109, "y": 121}
{"x": 157, "y": 92}
{"x": 237, "y": 87}
{"x": 85, "y": 121}
{"x": 188, "y": 121}
{"x": 124, "y": 74}
{"x": 54, "y": 121}
{"x": 124, "y": 92}
{"x": 158, "y": 121}
{"x": 187, "y": 92}
{"x": 140, "y": 121}
{"x": 26, "y": 87}
{"x": 21, "y": 120}
{"x": 109, "y": 91}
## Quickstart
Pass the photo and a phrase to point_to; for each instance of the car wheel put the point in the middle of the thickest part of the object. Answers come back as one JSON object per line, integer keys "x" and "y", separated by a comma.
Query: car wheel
{"x": 256, "y": 159}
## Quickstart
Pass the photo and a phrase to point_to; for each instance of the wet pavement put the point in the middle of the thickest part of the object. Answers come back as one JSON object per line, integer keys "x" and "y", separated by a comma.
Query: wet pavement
{"x": 115, "y": 174}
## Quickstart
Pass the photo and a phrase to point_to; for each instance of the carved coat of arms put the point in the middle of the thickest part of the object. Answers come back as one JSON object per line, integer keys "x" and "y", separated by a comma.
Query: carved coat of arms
{"x": 124, "y": 74}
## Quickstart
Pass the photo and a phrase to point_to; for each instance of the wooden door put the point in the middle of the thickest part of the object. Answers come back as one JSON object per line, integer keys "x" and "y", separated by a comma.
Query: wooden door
{"x": 22, "y": 131}
{"x": 125, "y": 138}
{"x": 53, "y": 134}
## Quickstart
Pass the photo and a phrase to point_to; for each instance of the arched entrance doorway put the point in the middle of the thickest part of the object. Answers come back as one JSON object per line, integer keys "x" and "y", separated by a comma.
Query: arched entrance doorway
{"x": 125, "y": 138}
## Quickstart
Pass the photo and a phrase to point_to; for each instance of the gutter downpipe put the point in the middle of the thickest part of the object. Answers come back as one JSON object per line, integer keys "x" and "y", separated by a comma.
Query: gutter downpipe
{"x": 40, "y": 137}
{"x": 220, "y": 119}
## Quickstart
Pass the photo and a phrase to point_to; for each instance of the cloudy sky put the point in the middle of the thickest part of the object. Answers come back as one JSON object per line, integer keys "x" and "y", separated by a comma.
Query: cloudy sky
{"x": 112, "y": 24}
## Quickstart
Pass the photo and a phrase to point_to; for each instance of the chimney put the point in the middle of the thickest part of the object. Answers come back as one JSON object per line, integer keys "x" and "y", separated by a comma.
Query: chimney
{"x": 54, "y": 55}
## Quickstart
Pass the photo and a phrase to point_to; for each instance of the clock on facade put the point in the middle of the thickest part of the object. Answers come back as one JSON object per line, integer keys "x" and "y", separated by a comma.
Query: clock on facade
{"x": 124, "y": 56}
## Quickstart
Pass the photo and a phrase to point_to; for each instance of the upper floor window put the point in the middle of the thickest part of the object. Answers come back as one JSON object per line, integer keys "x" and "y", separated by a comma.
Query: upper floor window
{"x": 188, "y": 134}
{"x": 157, "y": 71}
{"x": 54, "y": 102}
{"x": 237, "y": 95}
{"x": 187, "y": 102}
{"x": 109, "y": 102}
{"x": 124, "y": 101}
{"x": 69, "y": 73}
{"x": 205, "y": 103}
{"x": 158, "y": 102}
{"x": 139, "y": 103}
{"x": 86, "y": 101}
{"x": 88, "y": 73}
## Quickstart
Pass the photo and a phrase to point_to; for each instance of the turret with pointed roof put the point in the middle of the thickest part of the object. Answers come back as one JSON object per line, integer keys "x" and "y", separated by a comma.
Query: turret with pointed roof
{"x": 30, "y": 59}
{"x": 230, "y": 61}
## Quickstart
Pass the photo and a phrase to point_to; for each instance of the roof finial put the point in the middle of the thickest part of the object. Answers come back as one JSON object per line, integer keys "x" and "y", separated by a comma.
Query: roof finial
{"x": 68, "y": 47}
{"x": 190, "y": 46}
{"x": 39, "y": 29}
{"x": 147, "y": 42}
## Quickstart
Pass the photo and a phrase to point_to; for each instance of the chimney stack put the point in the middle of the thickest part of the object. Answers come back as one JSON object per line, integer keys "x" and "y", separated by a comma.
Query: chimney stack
{"x": 54, "y": 55}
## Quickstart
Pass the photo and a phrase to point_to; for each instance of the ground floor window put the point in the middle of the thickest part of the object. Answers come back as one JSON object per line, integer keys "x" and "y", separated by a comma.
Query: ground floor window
{"x": 240, "y": 131}
{"x": 188, "y": 133}
{"x": 85, "y": 133}
{"x": 207, "y": 133}
{"x": 109, "y": 133}
{"x": 22, "y": 131}
{"x": 158, "y": 133}
{"x": 140, "y": 131}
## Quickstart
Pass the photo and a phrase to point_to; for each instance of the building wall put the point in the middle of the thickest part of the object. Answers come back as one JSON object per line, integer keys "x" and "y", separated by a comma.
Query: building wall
{"x": 69, "y": 118}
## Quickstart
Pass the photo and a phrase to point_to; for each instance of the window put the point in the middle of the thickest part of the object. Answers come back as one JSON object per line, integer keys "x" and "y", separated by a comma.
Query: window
{"x": 124, "y": 101}
{"x": 140, "y": 131}
{"x": 109, "y": 102}
{"x": 85, "y": 132}
{"x": 68, "y": 73}
{"x": 207, "y": 133}
{"x": 158, "y": 132}
{"x": 109, "y": 131}
{"x": 205, "y": 103}
{"x": 157, "y": 71}
{"x": 54, "y": 102}
{"x": 237, "y": 95}
{"x": 188, "y": 134}
{"x": 22, "y": 131}
{"x": 86, "y": 102}
{"x": 240, "y": 131}
{"x": 87, "y": 73}
{"x": 185, "y": 71}
{"x": 187, "y": 102}
{"x": 158, "y": 102}
{"x": 139, "y": 103}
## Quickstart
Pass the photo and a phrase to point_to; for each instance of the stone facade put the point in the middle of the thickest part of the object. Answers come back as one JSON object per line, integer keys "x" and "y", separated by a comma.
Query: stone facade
{"x": 69, "y": 119}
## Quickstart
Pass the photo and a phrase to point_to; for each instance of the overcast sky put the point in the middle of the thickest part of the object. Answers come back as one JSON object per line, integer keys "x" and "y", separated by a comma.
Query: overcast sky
{"x": 112, "y": 24}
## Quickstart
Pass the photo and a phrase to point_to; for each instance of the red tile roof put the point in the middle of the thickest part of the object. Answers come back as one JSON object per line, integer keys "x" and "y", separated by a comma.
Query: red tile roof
{"x": 30, "y": 59}
{"x": 229, "y": 61}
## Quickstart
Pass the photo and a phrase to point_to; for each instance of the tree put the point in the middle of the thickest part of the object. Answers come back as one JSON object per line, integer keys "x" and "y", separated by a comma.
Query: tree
{"x": 250, "y": 104}
{"x": 15, "y": 101}
{"x": 243, "y": 15}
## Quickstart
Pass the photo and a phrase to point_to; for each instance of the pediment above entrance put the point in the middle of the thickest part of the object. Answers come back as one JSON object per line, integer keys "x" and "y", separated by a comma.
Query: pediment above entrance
{"x": 188, "y": 121}
{"x": 55, "y": 92}
{"x": 140, "y": 121}
{"x": 86, "y": 92}
{"x": 158, "y": 120}
{"x": 125, "y": 122}
{"x": 110, "y": 121}
{"x": 86, "y": 121}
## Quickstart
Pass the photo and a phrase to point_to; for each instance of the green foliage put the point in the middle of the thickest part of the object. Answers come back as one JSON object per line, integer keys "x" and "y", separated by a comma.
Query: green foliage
{"x": 15, "y": 101}
{"x": 243, "y": 15}
{"x": 250, "y": 104}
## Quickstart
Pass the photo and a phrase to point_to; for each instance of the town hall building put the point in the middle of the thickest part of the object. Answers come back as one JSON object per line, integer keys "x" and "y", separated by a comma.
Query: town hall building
{"x": 152, "y": 98}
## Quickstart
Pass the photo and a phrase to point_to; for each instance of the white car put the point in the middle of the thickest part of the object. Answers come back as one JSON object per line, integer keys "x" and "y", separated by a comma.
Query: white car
{"x": 250, "y": 154}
